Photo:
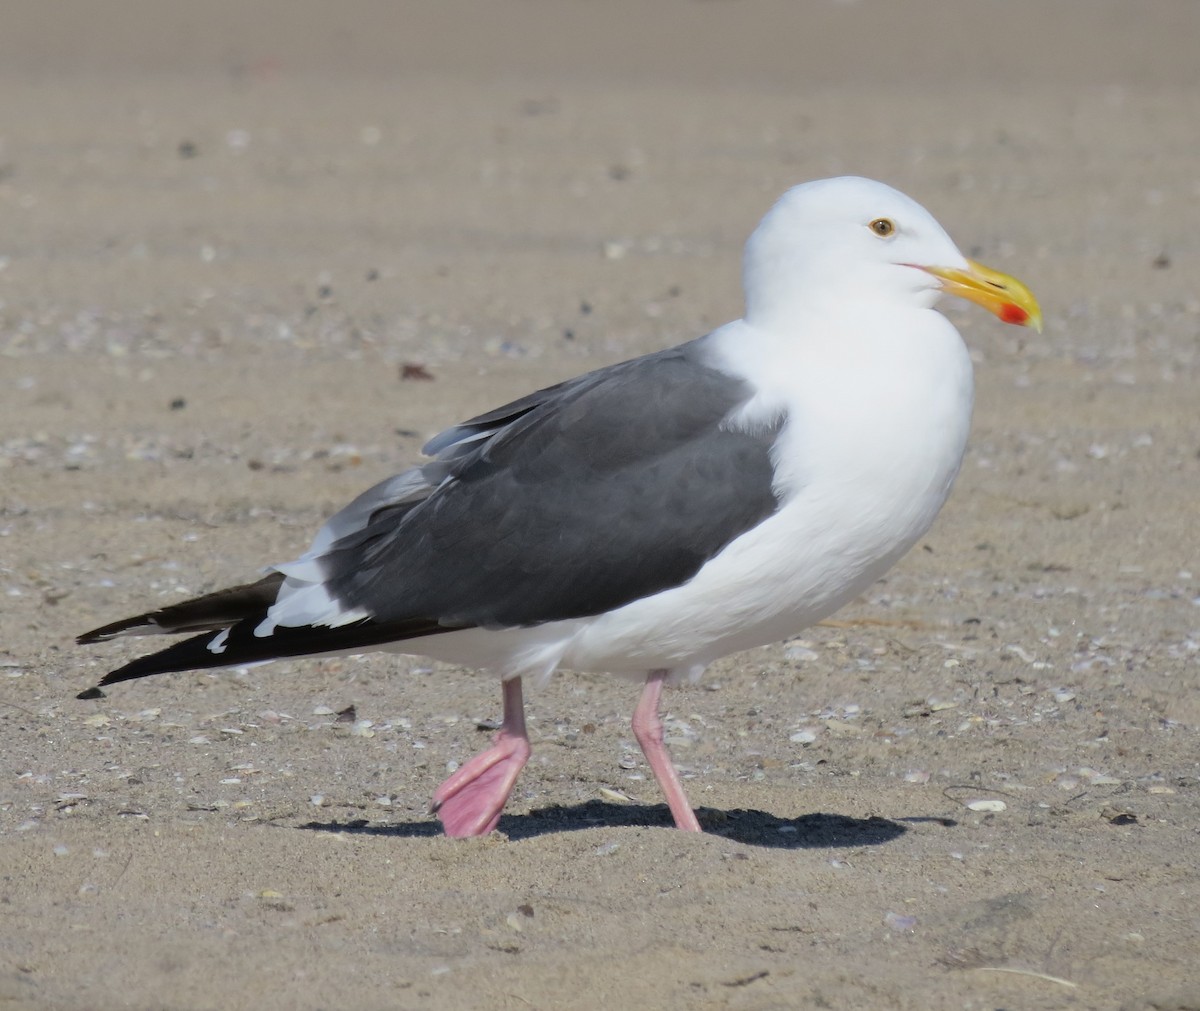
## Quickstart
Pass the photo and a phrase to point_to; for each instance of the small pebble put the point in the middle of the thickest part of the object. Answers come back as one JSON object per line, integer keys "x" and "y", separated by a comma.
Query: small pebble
{"x": 992, "y": 806}
{"x": 841, "y": 728}
{"x": 1019, "y": 651}
{"x": 896, "y": 921}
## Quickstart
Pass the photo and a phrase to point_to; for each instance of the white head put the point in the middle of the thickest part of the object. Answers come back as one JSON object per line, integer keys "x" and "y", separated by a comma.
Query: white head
{"x": 861, "y": 240}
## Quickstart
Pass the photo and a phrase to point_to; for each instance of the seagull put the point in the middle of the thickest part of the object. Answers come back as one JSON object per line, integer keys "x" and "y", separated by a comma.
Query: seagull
{"x": 652, "y": 516}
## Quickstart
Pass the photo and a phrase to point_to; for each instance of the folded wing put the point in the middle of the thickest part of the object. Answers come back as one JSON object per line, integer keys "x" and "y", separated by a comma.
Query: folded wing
{"x": 570, "y": 502}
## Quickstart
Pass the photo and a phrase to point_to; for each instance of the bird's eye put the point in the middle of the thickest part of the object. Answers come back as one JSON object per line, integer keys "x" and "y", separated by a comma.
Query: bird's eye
{"x": 883, "y": 227}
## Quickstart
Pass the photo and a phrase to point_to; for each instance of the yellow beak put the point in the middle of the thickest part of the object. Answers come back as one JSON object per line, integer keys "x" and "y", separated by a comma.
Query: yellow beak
{"x": 1005, "y": 296}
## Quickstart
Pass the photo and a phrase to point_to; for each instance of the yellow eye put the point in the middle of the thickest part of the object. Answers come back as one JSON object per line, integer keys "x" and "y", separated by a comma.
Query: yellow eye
{"x": 883, "y": 227}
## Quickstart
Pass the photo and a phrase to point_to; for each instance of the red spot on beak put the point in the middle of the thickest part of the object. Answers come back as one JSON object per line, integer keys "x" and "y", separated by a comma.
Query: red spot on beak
{"x": 1013, "y": 314}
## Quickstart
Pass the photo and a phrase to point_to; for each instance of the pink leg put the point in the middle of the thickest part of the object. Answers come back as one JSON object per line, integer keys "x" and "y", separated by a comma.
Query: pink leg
{"x": 648, "y": 729}
{"x": 469, "y": 802}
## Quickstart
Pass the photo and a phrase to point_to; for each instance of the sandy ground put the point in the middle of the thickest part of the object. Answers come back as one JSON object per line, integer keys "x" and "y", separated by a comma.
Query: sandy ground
{"x": 224, "y": 231}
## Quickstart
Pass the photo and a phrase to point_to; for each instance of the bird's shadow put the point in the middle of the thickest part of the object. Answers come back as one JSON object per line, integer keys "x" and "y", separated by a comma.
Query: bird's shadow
{"x": 753, "y": 828}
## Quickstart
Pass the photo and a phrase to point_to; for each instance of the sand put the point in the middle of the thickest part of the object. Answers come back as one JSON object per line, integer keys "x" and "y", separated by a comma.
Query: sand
{"x": 225, "y": 231}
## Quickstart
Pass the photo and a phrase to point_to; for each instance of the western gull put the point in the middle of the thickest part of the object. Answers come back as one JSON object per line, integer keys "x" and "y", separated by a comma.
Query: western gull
{"x": 652, "y": 516}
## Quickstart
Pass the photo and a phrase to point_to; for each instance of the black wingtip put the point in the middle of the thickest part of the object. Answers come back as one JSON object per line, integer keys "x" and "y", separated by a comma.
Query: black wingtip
{"x": 92, "y": 693}
{"x": 106, "y": 632}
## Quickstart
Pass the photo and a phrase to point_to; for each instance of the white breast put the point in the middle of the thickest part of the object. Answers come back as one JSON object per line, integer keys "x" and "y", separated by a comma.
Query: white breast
{"x": 865, "y": 461}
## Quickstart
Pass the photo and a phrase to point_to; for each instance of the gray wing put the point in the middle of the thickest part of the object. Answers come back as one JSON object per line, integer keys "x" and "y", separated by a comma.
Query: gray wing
{"x": 569, "y": 502}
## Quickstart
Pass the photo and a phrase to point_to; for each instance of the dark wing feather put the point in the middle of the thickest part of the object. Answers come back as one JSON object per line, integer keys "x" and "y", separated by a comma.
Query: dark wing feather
{"x": 211, "y": 612}
{"x": 571, "y": 502}
{"x": 242, "y": 646}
